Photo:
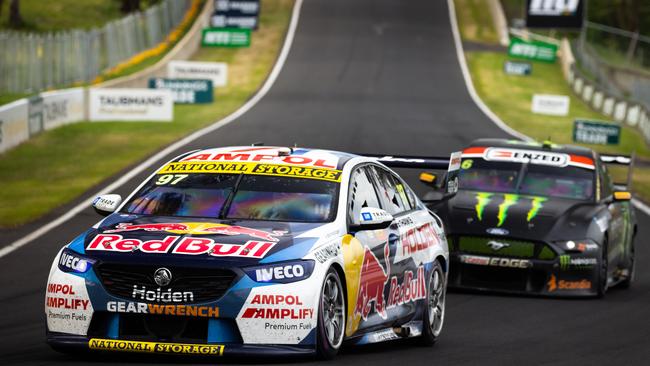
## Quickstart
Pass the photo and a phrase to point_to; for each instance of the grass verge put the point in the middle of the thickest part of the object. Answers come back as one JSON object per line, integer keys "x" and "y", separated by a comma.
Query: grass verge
{"x": 510, "y": 97}
{"x": 59, "y": 165}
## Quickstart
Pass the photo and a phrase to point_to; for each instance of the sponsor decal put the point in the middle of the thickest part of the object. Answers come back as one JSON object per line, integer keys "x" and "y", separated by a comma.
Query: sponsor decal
{"x": 495, "y": 261}
{"x": 286, "y": 307}
{"x": 483, "y": 199}
{"x": 372, "y": 280}
{"x": 587, "y": 247}
{"x": 67, "y": 306}
{"x": 185, "y": 246}
{"x": 69, "y": 261}
{"x": 263, "y": 154}
{"x": 199, "y": 228}
{"x": 160, "y": 295}
{"x": 326, "y": 252}
{"x": 383, "y": 335}
{"x": 497, "y": 245}
{"x": 566, "y": 262}
{"x": 411, "y": 288}
{"x": 282, "y": 272}
{"x": 526, "y": 156}
{"x": 555, "y": 284}
{"x": 416, "y": 243}
{"x": 177, "y": 310}
{"x": 155, "y": 347}
{"x": 274, "y": 169}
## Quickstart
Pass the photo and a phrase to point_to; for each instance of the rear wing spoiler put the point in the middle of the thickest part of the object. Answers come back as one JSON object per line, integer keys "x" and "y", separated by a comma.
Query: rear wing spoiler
{"x": 621, "y": 160}
{"x": 412, "y": 162}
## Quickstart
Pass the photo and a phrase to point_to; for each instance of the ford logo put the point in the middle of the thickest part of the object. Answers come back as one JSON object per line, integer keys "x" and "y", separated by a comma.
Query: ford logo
{"x": 497, "y": 231}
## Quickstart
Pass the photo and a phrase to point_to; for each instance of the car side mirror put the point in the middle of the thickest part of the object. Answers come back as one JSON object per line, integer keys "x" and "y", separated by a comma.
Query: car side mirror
{"x": 371, "y": 218}
{"x": 622, "y": 196}
{"x": 106, "y": 204}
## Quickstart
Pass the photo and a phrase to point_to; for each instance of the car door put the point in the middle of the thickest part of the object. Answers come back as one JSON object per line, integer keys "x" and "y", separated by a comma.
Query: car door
{"x": 408, "y": 236}
{"x": 370, "y": 306}
{"x": 616, "y": 230}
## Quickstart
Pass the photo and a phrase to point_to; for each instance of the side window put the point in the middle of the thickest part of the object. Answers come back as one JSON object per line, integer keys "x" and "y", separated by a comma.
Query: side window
{"x": 389, "y": 191}
{"x": 362, "y": 194}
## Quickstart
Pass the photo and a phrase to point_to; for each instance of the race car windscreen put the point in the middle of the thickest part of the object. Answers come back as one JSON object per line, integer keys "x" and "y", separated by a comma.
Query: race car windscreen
{"x": 529, "y": 179}
{"x": 233, "y": 196}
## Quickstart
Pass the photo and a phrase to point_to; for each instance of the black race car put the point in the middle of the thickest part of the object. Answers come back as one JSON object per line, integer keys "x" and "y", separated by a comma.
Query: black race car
{"x": 537, "y": 218}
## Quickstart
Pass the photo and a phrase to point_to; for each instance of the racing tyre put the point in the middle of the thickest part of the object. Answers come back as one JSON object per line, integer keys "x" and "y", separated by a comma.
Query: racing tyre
{"x": 627, "y": 282}
{"x": 603, "y": 271}
{"x": 331, "y": 317}
{"x": 434, "y": 313}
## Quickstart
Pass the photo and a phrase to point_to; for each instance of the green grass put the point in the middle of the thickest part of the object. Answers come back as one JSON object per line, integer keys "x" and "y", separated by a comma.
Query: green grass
{"x": 475, "y": 21}
{"x": 11, "y": 97}
{"x": 60, "y": 165}
{"x": 54, "y": 15}
{"x": 510, "y": 98}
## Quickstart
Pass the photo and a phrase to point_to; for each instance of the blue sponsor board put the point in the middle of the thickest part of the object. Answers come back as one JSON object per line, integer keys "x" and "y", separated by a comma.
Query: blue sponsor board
{"x": 241, "y": 14}
{"x": 185, "y": 91}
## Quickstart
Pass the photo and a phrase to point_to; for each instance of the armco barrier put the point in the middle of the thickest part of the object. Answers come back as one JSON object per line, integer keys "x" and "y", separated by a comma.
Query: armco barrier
{"x": 25, "y": 118}
{"x": 632, "y": 113}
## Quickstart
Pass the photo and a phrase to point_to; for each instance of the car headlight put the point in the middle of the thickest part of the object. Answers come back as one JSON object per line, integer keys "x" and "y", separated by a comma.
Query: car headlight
{"x": 71, "y": 261}
{"x": 285, "y": 272}
{"x": 578, "y": 246}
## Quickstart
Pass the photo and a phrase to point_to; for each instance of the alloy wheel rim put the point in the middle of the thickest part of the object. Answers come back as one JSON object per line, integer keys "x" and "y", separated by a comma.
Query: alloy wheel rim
{"x": 332, "y": 311}
{"x": 436, "y": 301}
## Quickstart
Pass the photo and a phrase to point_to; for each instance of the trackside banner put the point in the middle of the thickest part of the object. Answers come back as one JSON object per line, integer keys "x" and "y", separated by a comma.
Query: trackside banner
{"x": 131, "y": 105}
{"x": 215, "y": 71}
{"x": 14, "y": 127}
{"x": 554, "y": 13}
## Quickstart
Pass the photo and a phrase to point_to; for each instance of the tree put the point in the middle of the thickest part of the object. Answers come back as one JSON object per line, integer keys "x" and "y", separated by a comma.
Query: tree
{"x": 15, "y": 19}
{"x": 129, "y": 6}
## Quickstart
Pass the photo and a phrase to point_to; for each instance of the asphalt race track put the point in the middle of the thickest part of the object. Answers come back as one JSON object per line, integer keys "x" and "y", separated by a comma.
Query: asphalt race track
{"x": 371, "y": 76}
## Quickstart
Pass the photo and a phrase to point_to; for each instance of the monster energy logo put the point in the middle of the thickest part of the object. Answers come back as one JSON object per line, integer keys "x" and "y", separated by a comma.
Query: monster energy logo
{"x": 483, "y": 200}
{"x": 565, "y": 261}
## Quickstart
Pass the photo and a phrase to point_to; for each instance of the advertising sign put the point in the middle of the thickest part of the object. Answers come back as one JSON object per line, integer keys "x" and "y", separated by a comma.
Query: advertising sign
{"x": 185, "y": 91}
{"x": 517, "y": 68}
{"x": 554, "y": 105}
{"x": 130, "y": 105}
{"x": 532, "y": 50}
{"x": 14, "y": 127}
{"x": 554, "y": 13}
{"x": 226, "y": 37}
{"x": 243, "y": 14}
{"x": 215, "y": 71}
{"x": 596, "y": 132}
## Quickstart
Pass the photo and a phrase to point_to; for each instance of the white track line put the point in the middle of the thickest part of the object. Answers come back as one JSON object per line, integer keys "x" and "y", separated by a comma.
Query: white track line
{"x": 286, "y": 47}
{"x": 460, "y": 53}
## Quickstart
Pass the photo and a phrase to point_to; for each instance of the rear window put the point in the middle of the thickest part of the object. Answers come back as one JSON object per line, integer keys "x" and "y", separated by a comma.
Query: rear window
{"x": 236, "y": 196}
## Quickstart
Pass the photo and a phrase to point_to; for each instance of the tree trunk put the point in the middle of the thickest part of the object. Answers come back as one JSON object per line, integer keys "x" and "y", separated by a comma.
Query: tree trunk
{"x": 2, "y": 2}
{"x": 15, "y": 20}
{"x": 129, "y": 6}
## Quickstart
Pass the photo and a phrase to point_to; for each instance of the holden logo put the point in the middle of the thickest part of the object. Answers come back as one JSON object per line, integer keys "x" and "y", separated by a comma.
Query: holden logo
{"x": 162, "y": 277}
{"x": 496, "y": 246}
{"x": 497, "y": 231}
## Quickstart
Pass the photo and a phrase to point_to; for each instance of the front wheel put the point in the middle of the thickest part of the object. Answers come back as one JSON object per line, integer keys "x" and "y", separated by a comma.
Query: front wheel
{"x": 434, "y": 313}
{"x": 331, "y": 316}
{"x": 627, "y": 282}
{"x": 603, "y": 271}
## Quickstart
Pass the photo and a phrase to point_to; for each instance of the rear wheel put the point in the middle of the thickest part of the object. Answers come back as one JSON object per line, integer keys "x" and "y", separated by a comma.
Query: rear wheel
{"x": 434, "y": 313}
{"x": 331, "y": 317}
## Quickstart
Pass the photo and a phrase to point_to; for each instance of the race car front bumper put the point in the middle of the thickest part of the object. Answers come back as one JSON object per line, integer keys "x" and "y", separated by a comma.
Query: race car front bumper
{"x": 567, "y": 275}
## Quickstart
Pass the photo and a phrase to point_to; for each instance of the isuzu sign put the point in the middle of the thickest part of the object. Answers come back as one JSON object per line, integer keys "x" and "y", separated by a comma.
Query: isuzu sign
{"x": 554, "y": 13}
{"x": 526, "y": 156}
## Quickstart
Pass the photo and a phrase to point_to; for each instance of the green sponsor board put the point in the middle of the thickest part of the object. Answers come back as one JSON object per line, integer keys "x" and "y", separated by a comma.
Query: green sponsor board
{"x": 532, "y": 50}
{"x": 185, "y": 91}
{"x": 226, "y": 37}
{"x": 596, "y": 132}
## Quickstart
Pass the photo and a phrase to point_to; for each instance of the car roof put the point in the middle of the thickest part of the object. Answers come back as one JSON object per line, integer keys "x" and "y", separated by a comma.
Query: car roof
{"x": 535, "y": 146}
{"x": 278, "y": 154}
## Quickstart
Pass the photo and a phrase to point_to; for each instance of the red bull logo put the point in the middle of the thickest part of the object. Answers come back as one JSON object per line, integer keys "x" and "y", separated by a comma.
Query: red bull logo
{"x": 199, "y": 228}
{"x": 372, "y": 281}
